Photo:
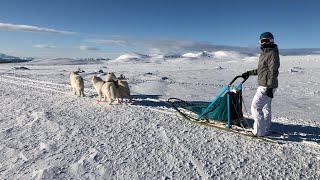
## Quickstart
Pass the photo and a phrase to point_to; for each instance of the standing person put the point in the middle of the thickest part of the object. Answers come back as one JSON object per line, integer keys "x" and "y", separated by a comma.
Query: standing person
{"x": 268, "y": 65}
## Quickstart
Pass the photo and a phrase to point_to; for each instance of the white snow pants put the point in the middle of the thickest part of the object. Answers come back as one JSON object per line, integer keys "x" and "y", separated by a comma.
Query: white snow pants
{"x": 261, "y": 112}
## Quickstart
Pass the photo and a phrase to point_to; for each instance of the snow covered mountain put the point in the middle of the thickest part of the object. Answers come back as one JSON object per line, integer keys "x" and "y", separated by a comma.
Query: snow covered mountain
{"x": 132, "y": 57}
{"x": 219, "y": 55}
{"x": 205, "y": 55}
{"x": 12, "y": 59}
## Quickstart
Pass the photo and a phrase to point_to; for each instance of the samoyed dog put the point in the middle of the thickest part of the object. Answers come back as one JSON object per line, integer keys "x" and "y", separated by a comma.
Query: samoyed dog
{"x": 77, "y": 83}
{"x": 111, "y": 77}
{"x": 123, "y": 88}
{"x": 110, "y": 90}
{"x": 106, "y": 88}
{"x": 97, "y": 84}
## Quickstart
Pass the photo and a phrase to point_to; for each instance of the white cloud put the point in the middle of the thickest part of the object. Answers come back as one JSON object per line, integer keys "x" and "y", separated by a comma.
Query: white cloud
{"x": 44, "y": 46}
{"x": 155, "y": 51}
{"x": 15, "y": 27}
{"x": 88, "y": 48}
{"x": 175, "y": 44}
{"x": 109, "y": 41}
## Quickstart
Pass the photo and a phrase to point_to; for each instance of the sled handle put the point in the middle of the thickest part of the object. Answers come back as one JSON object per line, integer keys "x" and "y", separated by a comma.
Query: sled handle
{"x": 235, "y": 78}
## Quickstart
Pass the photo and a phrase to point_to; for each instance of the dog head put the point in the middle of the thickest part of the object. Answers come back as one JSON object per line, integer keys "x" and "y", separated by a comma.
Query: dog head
{"x": 96, "y": 79}
{"x": 110, "y": 77}
{"x": 74, "y": 72}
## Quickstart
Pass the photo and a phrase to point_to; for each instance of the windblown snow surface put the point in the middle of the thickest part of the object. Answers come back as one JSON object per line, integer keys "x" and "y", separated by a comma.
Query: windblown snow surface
{"x": 46, "y": 132}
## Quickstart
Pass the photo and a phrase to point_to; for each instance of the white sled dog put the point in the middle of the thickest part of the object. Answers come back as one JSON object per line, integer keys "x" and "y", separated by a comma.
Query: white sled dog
{"x": 109, "y": 89}
{"x": 106, "y": 88}
{"x": 123, "y": 88}
{"x": 77, "y": 83}
{"x": 111, "y": 77}
{"x": 97, "y": 84}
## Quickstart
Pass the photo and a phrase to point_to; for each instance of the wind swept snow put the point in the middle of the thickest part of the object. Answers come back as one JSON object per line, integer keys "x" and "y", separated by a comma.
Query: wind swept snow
{"x": 46, "y": 132}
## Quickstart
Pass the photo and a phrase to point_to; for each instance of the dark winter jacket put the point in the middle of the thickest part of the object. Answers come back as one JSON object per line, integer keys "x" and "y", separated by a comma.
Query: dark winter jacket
{"x": 268, "y": 67}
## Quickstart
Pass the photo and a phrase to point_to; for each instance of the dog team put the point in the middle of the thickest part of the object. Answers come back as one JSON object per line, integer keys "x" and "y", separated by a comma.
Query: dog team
{"x": 113, "y": 90}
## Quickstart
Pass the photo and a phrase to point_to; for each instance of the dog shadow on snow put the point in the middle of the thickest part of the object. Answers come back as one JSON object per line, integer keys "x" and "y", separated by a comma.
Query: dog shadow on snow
{"x": 149, "y": 100}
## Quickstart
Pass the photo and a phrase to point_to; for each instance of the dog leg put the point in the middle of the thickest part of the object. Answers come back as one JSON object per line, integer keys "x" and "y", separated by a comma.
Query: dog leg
{"x": 82, "y": 93}
{"x": 99, "y": 96}
{"x": 74, "y": 91}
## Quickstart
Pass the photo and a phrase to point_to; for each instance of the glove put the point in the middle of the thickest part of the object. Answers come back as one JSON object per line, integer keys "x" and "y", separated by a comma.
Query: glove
{"x": 245, "y": 75}
{"x": 269, "y": 92}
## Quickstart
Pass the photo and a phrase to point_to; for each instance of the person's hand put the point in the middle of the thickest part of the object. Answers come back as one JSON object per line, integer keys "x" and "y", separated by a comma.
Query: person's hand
{"x": 245, "y": 75}
{"x": 269, "y": 92}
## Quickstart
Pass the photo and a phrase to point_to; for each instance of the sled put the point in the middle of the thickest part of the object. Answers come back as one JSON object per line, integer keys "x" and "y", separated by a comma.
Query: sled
{"x": 224, "y": 112}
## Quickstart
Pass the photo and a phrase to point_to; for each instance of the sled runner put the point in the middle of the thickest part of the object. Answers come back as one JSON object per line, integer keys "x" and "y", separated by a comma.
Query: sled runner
{"x": 224, "y": 112}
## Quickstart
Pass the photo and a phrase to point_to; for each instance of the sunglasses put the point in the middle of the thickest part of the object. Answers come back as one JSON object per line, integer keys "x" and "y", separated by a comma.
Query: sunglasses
{"x": 266, "y": 41}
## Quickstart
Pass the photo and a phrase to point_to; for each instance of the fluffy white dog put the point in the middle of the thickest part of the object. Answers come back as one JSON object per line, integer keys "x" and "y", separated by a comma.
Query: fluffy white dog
{"x": 97, "y": 84}
{"x": 110, "y": 90}
{"x": 123, "y": 88}
{"x": 111, "y": 77}
{"x": 77, "y": 83}
{"x": 106, "y": 88}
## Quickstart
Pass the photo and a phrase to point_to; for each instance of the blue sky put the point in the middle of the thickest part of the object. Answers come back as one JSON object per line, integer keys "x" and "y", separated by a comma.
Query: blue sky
{"x": 109, "y": 28}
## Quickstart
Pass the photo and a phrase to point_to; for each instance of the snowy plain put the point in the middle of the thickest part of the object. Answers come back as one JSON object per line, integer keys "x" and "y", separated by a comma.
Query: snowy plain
{"x": 48, "y": 133}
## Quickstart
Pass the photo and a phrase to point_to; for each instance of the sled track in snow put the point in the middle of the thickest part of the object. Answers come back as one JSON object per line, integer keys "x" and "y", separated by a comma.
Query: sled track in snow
{"x": 66, "y": 89}
{"x": 43, "y": 85}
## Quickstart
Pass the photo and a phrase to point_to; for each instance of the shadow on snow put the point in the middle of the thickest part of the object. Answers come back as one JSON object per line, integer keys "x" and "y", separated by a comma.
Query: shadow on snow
{"x": 149, "y": 100}
{"x": 297, "y": 133}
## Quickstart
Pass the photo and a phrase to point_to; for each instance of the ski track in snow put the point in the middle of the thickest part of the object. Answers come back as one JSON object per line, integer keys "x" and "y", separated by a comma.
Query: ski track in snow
{"x": 198, "y": 165}
{"x": 57, "y": 135}
{"x": 46, "y": 86}
{"x": 43, "y": 85}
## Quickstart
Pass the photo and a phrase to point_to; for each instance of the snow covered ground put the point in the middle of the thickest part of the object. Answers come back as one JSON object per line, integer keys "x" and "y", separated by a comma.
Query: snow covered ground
{"x": 46, "y": 132}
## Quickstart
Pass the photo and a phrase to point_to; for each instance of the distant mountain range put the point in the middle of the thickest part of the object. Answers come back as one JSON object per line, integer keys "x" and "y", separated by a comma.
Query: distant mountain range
{"x": 226, "y": 53}
{"x": 219, "y": 54}
{"x": 13, "y": 59}
{"x": 205, "y": 55}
